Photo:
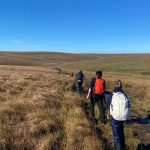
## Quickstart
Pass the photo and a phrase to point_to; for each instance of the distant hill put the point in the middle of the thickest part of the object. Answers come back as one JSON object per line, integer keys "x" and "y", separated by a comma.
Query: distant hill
{"x": 38, "y": 58}
{"x": 106, "y": 62}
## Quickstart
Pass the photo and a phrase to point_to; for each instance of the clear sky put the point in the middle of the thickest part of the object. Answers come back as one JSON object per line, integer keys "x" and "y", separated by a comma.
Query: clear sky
{"x": 78, "y": 26}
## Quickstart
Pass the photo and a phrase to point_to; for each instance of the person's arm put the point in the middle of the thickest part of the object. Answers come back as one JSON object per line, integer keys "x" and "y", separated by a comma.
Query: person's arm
{"x": 88, "y": 95}
{"x": 83, "y": 77}
{"x": 91, "y": 87}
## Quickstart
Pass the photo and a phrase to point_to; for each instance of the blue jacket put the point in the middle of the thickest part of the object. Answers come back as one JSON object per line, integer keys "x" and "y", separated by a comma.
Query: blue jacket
{"x": 80, "y": 77}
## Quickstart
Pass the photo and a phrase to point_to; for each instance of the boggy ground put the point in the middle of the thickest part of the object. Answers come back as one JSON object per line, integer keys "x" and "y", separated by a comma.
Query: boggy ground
{"x": 41, "y": 111}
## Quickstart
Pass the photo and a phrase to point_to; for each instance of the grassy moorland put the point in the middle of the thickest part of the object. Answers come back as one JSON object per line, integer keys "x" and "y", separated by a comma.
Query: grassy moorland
{"x": 39, "y": 58}
{"x": 120, "y": 64}
{"x": 40, "y": 109}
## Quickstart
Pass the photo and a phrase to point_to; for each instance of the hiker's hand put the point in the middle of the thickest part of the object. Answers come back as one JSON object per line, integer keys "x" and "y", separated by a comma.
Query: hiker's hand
{"x": 87, "y": 97}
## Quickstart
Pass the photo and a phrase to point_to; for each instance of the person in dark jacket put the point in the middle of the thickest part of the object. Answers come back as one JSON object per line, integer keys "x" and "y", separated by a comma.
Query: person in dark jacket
{"x": 117, "y": 126}
{"x": 79, "y": 81}
{"x": 99, "y": 98}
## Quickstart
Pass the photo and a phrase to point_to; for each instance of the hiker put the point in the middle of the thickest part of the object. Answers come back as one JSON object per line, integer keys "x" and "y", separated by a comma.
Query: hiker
{"x": 119, "y": 111}
{"x": 79, "y": 79}
{"x": 96, "y": 94}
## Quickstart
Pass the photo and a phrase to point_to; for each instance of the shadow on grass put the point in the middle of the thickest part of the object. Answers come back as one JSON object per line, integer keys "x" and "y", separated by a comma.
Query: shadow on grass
{"x": 141, "y": 130}
{"x": 139, "y": 120}
{"x": 143, "y": 147}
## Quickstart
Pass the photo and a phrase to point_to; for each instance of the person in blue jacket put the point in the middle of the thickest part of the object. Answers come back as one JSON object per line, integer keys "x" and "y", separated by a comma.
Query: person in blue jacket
{"x": 79, "y": 81}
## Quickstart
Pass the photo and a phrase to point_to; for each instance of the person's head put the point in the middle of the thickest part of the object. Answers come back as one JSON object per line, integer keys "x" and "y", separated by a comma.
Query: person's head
{"x": 117, "y": 84}
{"x": 80, "y": 71}
{"x": 98, "y": 74}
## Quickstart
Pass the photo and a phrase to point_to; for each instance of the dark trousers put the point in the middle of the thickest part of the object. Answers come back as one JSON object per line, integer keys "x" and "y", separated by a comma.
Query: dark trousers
{"x": 99, "y": 99}
{"x": 79, "y": 87}
{"x": 118, "y": 134}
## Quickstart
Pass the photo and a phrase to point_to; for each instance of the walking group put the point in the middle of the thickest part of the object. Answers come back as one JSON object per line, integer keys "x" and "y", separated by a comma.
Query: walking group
{"x": 116, "y": 102}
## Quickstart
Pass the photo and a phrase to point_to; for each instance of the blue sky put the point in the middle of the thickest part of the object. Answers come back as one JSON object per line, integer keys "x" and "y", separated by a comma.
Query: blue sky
{"x": 75, "y": 26}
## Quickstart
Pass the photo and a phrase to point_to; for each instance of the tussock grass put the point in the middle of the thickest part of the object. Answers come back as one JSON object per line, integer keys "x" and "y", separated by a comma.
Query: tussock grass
{"x": 41, "y": 111}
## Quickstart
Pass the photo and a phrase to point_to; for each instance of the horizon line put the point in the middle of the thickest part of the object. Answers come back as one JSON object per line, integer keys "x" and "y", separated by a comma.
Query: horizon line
{"x": 14, "y": 51}
{"x": 104, "y": 53}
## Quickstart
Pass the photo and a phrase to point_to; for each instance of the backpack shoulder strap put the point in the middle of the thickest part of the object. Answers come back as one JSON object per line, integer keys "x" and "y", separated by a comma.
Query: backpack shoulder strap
{"x": 94, "y": 79}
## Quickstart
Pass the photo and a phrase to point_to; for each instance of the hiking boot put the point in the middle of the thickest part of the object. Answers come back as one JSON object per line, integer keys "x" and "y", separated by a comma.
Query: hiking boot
{"x": 103, "y": 124}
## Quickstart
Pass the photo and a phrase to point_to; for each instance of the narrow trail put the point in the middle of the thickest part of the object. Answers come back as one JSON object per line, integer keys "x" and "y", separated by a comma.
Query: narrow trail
{"x": 97, "y": 130}
{"x": 79, "y": 133}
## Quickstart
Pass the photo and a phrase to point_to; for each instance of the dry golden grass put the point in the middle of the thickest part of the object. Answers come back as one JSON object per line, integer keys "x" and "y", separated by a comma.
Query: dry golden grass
{"x": 40, "y": 110}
